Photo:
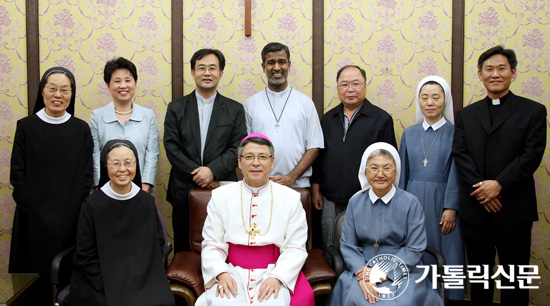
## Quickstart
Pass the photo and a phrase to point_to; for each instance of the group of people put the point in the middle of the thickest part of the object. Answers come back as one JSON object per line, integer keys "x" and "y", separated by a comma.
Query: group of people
{"x": 56, "y": 160}
{"x": 448, "y": 187}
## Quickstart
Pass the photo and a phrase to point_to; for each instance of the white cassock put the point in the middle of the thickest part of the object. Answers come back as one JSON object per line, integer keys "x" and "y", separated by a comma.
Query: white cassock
{"x": 299, "y": 128}
{"x": 229, "y": 206}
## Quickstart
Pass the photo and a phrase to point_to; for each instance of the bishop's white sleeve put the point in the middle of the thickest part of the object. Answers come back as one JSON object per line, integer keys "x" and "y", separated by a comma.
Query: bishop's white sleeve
{"x": 293, "y": 250}
{"x": 214, "y": 249}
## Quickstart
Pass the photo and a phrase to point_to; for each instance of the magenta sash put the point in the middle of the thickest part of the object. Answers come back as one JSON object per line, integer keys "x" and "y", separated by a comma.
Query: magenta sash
{"x": 259, "y": 257}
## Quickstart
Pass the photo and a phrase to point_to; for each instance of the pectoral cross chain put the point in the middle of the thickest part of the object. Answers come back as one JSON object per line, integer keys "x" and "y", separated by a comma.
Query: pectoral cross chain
{"x": 253, "y": 230}
{"x": 273, "y": 111}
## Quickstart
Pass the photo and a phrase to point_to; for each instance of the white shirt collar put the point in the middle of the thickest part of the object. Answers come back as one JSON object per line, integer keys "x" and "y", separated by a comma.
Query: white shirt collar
{"x": 108, "y": 190}
{"x": 203, "y": 100}
{"x": 435, "y": 126}
{"x": 278, "y": 94}
{"x": 386, "y": 198}
{"x": 53, "y": 120}
{"x": 255, "y": 190}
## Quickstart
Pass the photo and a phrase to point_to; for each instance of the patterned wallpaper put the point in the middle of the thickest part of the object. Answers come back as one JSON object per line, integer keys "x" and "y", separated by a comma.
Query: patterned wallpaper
{"x": 398, "y": 43}
{"x": 13, "y": 105}
{"x": 220, "y": 25}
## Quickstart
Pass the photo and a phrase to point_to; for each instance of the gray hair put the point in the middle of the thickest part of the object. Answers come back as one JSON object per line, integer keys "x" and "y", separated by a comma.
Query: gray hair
{"x": 383, "y": 153}
{"x": 257, "y": 140}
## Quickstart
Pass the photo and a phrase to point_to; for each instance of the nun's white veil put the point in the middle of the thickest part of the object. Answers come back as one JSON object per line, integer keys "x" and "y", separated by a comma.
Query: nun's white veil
{"x": 448, "y": 110}
{"x": 363, "y": 166}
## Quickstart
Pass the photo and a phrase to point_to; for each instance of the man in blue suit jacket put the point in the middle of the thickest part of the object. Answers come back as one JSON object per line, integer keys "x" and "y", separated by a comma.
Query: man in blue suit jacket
{"x": 498, "y": 144}
{"x": 202, "y": 132}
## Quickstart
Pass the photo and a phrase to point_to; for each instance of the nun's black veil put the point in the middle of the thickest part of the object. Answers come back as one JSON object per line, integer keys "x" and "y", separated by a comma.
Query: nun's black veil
{"x": 40, "y": 99}
{"x": 111, "y": 144}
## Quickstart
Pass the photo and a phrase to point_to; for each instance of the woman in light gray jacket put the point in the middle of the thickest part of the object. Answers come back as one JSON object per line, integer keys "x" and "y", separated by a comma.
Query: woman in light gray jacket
{"x": 124, "y": 119}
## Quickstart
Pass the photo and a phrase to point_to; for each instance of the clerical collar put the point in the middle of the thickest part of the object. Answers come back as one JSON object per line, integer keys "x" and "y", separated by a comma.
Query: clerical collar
{"x": 53, "y": 120}
{"x": 434, "y": 126}
{"x": 278, "y": 94}
{"x": 386, "y": 199}
{"x": 203, "y": 100}
{"x": 499, "y": 101}
{"x": 255, "y": 190}
{"x": 108, "y": 190}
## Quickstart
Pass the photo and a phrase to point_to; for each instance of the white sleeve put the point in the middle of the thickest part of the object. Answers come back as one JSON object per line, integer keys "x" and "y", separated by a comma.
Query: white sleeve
{"x": 314, "y": 133}
{"x": 293, "y": 250}
{"x": 248, "y": 115}
{"x": 214, "y": 249}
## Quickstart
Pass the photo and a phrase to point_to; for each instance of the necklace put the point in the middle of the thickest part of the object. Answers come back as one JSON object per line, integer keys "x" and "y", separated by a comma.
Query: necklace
{"x": 425, "y": 161}
{"x": 375, "y": 244}
{"x": 273, "y": 111}
{"x": 254, "y": 229}
{"x": 124, "y": 113}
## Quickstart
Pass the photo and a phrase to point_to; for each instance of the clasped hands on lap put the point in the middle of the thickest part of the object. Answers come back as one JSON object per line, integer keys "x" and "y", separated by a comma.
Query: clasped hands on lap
{"x": 228, "y": 285}
{"x": 363, "y": 277}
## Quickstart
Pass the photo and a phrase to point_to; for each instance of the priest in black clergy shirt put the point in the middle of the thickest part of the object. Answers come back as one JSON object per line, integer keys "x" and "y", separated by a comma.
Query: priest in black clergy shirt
{"x": 202, "y": 132}
{"x": 498, "y": 144}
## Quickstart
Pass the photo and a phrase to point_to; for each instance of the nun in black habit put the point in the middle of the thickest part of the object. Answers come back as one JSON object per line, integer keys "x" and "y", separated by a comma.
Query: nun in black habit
{"x": 118, "y": 259}
{"x": 51, "y": 173}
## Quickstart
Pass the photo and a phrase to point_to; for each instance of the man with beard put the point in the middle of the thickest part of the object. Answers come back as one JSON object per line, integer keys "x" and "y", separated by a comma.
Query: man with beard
{"x": 287, "y": 117}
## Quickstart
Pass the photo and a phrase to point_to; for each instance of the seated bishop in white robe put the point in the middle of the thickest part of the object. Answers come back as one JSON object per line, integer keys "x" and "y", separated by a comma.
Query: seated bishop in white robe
{"x": 253, "y": 234}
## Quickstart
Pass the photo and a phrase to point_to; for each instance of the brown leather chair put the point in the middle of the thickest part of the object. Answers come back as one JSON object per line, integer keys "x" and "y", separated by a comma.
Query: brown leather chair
{"x": 185, "y": 270}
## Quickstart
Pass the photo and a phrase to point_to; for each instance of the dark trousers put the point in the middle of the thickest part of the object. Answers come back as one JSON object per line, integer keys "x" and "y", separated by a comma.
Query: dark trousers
{"x": 316, "y": 229}
{"x": 512, "y": 242}
{"x": 180, "y": 225}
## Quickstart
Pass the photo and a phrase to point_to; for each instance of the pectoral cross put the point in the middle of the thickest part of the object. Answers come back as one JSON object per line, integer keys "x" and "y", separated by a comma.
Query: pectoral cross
{"x": 277, "y": 126}
{"x": 425, "y": 161}
{"x": 253, "y": 230}
{"x": 376, "y": 246}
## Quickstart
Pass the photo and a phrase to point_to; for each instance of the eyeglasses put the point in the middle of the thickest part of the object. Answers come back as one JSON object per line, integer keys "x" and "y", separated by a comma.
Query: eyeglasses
{"x": 354, "y": 85}
{"x": 127, "y": 164}
{"x": 64, "y": 91}
{"x": 261, "y": 157}
{"x": 385, "y": 170}
{"x": 202, "y": 69}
